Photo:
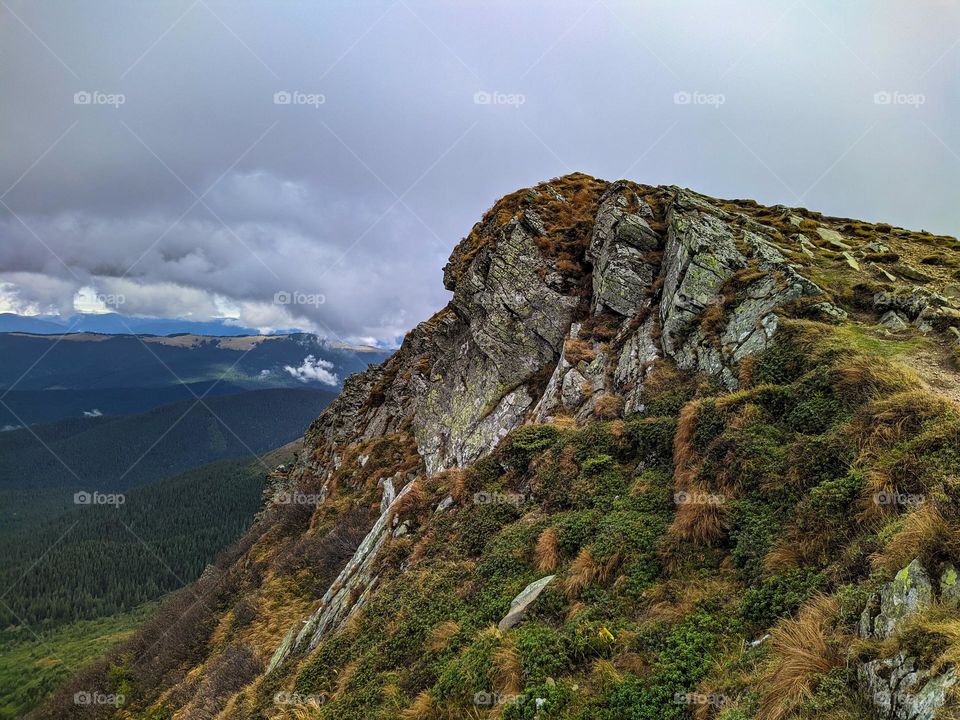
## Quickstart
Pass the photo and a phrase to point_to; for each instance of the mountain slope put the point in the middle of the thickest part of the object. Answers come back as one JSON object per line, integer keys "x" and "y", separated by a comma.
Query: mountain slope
{"x": 656, "y": 459}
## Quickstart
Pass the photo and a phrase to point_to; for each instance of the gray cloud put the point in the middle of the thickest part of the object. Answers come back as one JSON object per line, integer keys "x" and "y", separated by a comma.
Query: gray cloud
{"x": 199, "y": 197}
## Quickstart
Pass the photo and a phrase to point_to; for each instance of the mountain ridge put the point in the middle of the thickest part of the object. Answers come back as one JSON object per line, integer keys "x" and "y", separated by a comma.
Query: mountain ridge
{"x": 658, "y": 417}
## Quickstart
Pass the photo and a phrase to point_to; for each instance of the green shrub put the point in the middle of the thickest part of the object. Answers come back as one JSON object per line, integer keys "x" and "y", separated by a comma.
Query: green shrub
{"x": 778, "y": 596}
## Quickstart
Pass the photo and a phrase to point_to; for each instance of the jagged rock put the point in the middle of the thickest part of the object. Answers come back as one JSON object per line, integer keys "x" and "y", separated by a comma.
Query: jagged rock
{"x": 522, "y": 602}
{"x": 833, "y": 238}
{"x": 444, "y": 504}
{"x": 636, "y": 360}
{"x": 875, "y": 248}
{"x": 908, "y": 303}
{"x": 354, "y": 581}
{"x": 828, "y": 312}
{"x": 898, "y": 687}
{"x": 622, "y": 238}
{"x": 894, "y": 320}
{"x": 901, "y": 691}
{"x": 511, "y": 323}
{"x": 889, "y": 277}
{"x": 908, "y": 593}
{"x": 701, "y": 256}
{"x": 851, "y": 261}
{"x": 910, "y": 272}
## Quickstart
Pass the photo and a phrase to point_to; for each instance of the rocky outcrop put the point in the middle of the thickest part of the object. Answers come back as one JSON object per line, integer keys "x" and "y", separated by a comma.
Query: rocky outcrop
{"x": 704, "y": 252}
{"x": 348, "y": 592}
{"x": 468, "y": 376}
{"x": 899, "y": 686}
{"x": 519, "y": 340}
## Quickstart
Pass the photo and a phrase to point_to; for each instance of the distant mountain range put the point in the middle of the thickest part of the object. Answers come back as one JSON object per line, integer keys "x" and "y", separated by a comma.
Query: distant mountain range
{"x": 116, "y": 324}
{"x": 47, "y": 377}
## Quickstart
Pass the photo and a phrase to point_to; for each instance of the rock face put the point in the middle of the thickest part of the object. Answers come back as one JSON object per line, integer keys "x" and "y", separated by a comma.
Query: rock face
{"x": 558, "y": 303}
{"x": 898, "y": 686}
{"x": 474, "y": 372}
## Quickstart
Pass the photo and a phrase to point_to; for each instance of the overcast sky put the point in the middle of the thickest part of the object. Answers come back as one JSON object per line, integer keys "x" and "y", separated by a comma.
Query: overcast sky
{"x": 146, "y": 153}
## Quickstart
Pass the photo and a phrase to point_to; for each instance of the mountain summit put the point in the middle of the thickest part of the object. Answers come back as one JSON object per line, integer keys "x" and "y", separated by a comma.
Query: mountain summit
{"x": 661, "y": 456}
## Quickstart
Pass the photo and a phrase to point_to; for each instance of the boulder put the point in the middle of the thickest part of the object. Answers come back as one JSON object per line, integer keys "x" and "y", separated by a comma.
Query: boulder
{"x": 522, "y": 602}
{"x": 894, "y": 320}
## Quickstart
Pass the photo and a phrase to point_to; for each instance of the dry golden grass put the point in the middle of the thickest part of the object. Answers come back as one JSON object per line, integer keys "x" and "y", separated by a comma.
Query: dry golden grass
{"x": 674, "y": 600}
{"x": 608, "y": 406}
{"x": 507, "y": 670}
{"x": 699, "y": 522}
{"x": 604, "y": 674}
{"x": 344, "y": 676}
{"x": 784, "y": 555}
{"x": 547, "y": 552}
{"x": 422, "y": 708}
{"x": 576, "y": 351}
{"x": 442, "y": 634}
{"x": 924, "y": 533}
{"x": 883, "y": 423}
{"x": 801, "y": 651}
{"x": 861, "y": 378}
{"x": 685, "y": 458}
{"x": 747, "y": 371}
{"x": 583, "y": 571}
{"x": 412, "y": 502}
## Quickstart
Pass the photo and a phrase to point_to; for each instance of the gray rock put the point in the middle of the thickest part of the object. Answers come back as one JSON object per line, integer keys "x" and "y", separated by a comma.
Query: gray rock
{"x": 894, "y": 320}
{"x": 910, "y": 273}
{"x": 639, "y": 353}
{"x": 898, "y": 687}
{"x": 522, "y": 602}
{"x": 908, "y": 302}
{"x": 510, "y": 323}
{"x": 444, "y": 504}
{"x": 833, "y": 238}
{"x": 701, "y": 255}
{"x": 828, "y": 312}
{"x": 622, "y": 238}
